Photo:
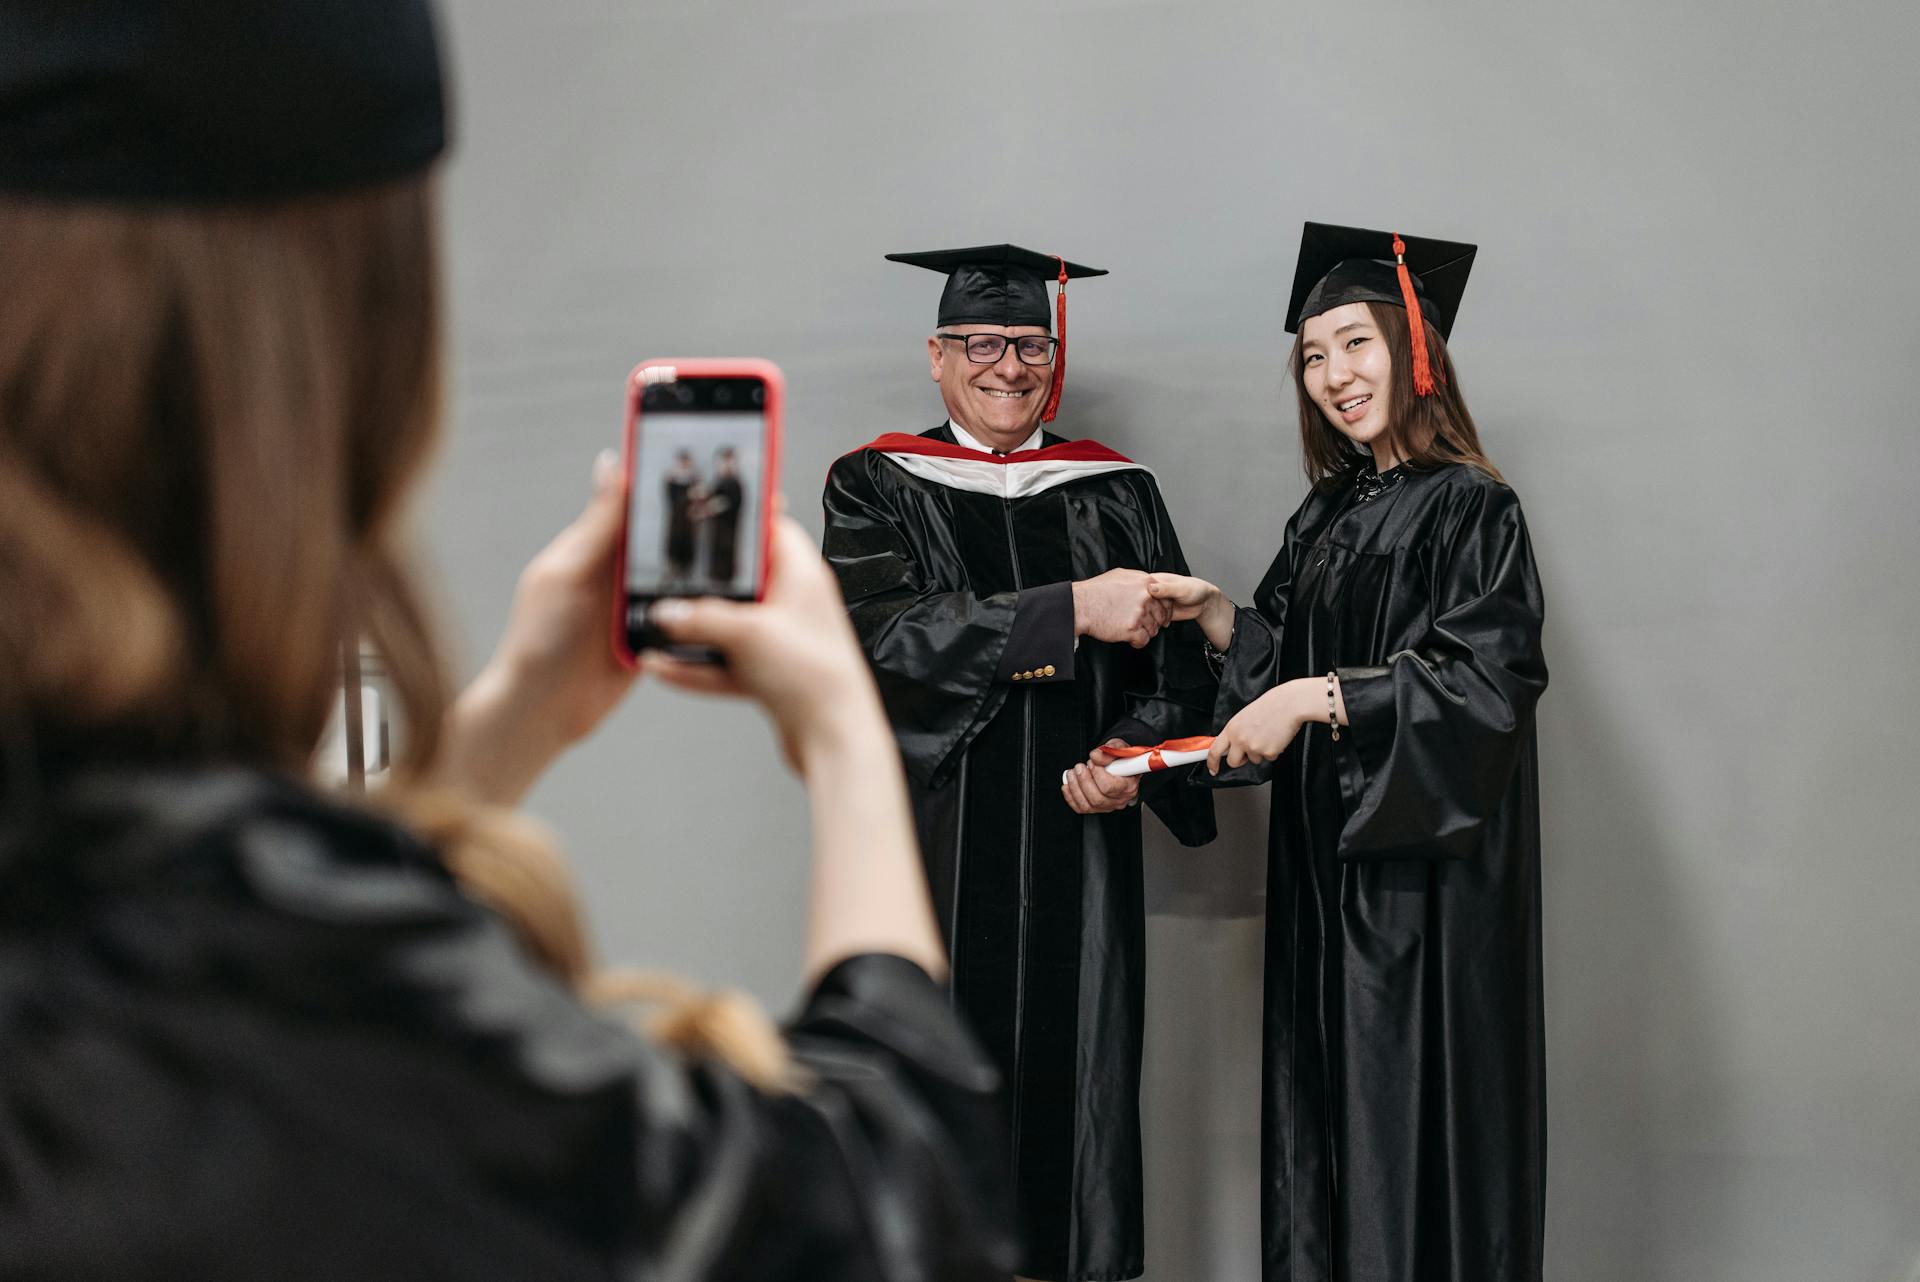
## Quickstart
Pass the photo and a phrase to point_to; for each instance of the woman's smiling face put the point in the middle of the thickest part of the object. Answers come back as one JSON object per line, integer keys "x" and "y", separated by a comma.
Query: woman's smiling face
{"x": 1347, "y": 371}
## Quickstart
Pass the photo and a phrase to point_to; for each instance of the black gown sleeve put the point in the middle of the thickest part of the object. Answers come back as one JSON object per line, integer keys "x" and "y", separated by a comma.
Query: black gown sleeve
{"x": 936, "y": 654}
{"x": 286, "y": 1045}
{"x": 1040, "y": 644}
{"x": 1251, "y": 665}
{"x": 1180, "y": 700}
{"x": 1437, "y": 730}
{"x": 881, "y": 1168}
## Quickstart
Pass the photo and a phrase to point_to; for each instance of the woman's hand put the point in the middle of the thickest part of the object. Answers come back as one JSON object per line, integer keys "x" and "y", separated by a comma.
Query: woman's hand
{"x": 1185, "y": 594}
{"x": 553, "y": 676}
{"x": 794, "y": 652}
{"x": 1090, "y": 790}
{"x": 1262, "y": 730}
{"x": 1192, "y": 598}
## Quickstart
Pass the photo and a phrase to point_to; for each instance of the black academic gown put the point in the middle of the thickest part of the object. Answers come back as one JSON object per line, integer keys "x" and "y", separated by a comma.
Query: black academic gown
{"x": 249, "y": 1033}
{"x": 963, "y": 602}
{"x": 681, "y": 531}
{"x": 724, "y": 498}
{"x": 1404, "y": 1107}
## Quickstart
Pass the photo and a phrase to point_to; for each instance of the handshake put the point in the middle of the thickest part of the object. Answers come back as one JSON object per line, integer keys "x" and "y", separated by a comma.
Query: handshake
{"x": 1132, "y": 606}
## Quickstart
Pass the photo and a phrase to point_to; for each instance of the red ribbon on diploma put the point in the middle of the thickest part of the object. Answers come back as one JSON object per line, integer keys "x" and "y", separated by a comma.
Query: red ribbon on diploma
{"x": 1195, "y": 743}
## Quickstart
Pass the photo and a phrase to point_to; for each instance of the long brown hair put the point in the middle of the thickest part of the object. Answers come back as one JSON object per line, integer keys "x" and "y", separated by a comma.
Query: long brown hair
{"x": 210, "y": 421}
{"x": 1428, "y": 431}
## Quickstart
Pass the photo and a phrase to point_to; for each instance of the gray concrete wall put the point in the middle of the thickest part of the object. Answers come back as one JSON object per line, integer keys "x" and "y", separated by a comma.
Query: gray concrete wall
{"x": 1690, "y": 341}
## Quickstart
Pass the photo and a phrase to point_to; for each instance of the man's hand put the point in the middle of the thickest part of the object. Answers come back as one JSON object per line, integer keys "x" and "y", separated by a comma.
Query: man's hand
{"x": 1116, "y": 606}
{"x": 1090, "y": 790}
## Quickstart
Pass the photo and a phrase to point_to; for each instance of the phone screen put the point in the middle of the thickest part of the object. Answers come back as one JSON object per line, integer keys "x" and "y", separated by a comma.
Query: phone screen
{"x": 698, "y": 496}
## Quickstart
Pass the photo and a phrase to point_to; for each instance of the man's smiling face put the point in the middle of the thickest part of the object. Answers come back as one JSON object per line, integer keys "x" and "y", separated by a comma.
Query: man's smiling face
{"x": 999, "y": 404}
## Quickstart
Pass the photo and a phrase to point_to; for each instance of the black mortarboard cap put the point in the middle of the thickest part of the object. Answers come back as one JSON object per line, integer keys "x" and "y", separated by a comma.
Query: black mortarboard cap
{"x": 1340, "y": 265}
{"x": 995, "y": 284}
{"x": 215, "y": 101}
{"x": 1004, "y": 285}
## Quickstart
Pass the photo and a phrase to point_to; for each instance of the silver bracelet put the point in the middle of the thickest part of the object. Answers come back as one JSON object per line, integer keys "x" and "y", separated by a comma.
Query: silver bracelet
{"x": 1216, "y": 659}
{"x": 1333, "y": 718}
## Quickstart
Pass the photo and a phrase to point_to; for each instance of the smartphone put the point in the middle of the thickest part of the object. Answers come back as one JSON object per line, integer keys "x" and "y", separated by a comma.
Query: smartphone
{"x": 702, "y": 465}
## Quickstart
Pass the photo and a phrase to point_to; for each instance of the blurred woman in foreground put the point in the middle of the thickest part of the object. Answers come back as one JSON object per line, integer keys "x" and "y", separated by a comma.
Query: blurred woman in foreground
{"x": 252, "y": 1030}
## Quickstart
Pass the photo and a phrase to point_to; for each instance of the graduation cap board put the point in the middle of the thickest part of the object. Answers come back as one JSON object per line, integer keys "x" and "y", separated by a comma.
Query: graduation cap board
{"x": 215, "y": 103}
{"x": 1004, "y": 285}
{"x": 1340, "y": 265}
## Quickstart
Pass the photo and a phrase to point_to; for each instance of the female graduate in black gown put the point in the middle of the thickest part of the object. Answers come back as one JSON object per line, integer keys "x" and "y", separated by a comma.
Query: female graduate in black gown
{"x": 1403, "y": 1110}
{"x": 250, "y": 1029}
{"x": 682, "y": 486}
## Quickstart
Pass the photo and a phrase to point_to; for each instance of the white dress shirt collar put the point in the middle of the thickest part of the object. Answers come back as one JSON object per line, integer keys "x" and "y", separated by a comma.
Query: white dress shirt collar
{"x": 961, "y": 435}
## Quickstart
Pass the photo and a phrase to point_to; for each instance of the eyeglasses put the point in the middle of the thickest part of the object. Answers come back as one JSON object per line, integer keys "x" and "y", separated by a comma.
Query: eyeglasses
{"x": 987, "y": 349}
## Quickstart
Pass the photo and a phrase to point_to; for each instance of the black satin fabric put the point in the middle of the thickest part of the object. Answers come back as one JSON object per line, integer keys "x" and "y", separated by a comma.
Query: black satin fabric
{"x": 250, "y": 1033}
{"x": 1404, "y": 1108}
{"x": 1041, "y": 909}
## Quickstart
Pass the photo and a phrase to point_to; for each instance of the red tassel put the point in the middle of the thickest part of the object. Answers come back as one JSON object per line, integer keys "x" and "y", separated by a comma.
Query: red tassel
{"x": 1060, "y": 352}
{"x": 1416, "y": 324}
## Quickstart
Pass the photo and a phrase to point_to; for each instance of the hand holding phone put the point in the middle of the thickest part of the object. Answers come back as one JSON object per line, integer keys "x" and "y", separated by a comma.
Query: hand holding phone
{"x": 701, "y": 467}
{"x": 794, "y": 653}
{"x": 551, "y": 678}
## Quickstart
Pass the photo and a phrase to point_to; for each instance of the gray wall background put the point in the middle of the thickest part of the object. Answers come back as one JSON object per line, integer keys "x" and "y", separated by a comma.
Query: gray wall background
{"x": 1690, "y": 341}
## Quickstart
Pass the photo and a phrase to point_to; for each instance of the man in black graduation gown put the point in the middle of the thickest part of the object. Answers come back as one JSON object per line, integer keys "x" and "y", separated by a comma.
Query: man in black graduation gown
{"x": 994, "y": 572}
{"x": 722, "y": 515}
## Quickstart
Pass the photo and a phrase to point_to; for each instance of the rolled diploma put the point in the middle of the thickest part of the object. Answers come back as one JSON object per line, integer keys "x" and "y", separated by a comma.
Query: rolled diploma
{"x": 1127, "y": 766}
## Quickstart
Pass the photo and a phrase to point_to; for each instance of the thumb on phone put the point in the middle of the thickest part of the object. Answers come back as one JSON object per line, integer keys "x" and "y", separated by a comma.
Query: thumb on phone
{"x": 709, "y": 621}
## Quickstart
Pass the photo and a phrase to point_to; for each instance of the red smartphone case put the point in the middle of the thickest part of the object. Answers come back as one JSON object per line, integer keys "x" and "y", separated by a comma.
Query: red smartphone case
{"x": 775, "y": 413}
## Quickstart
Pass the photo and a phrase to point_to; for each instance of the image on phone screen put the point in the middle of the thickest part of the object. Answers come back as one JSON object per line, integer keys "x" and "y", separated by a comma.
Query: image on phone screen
{"x": 697, "y": 498}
